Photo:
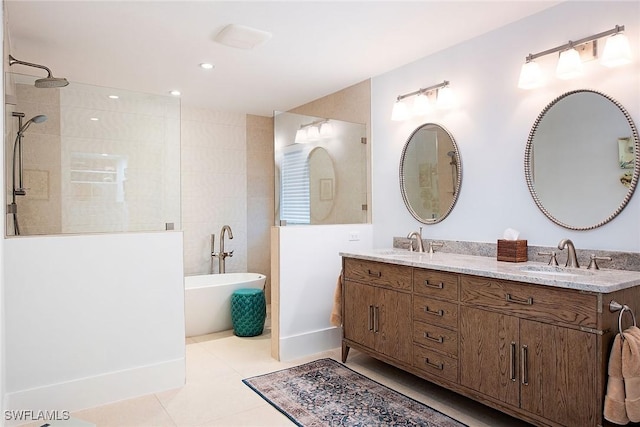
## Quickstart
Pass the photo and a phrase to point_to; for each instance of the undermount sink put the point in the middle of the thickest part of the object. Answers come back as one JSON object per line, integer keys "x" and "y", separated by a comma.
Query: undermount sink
{"x": 551, "y": 270}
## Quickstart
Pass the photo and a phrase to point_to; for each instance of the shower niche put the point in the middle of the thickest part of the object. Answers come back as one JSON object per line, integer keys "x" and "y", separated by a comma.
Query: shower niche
{"x": 105, "y": 160}
{"x": 93, "y": 175}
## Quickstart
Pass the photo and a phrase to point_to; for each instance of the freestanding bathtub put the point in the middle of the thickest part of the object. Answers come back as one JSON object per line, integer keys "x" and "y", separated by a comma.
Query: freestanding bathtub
{"x": 207, "y": 300}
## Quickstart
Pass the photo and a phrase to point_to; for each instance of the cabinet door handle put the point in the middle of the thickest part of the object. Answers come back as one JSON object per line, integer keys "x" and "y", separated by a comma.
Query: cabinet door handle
{"x": 371, "y": 318}
{"x": 438, "y": 285}
{"x": 438, "y": 366}
{"x": 376, "y": 319}
{"x": 435, "y": 313}
{"x": 528, "y": 301}
{"x": 512, "y": 355}
{"x": 439, "y": 340}
{"x": 525, "y": 365}
{"x": 374, "y": 273}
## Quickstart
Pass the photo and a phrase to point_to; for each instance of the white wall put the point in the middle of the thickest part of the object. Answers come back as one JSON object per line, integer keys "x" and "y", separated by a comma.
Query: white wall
{"x": 309, "y": 267}
{"x": 92, "y": 318}
{"x": 491, "y": 126}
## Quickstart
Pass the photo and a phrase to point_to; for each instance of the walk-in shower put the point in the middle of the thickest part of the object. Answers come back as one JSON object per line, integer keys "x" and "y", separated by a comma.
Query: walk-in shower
{"x": 46, "y": 82}
{"x": 18, "y": 189}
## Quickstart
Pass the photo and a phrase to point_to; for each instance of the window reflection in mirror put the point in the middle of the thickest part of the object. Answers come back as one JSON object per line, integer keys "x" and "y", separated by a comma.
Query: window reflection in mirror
{"x": 430, "y": 173}
{"x": 581, "y": 159}
{"x": 105, "y": 160}
{"x": 321, "y": 178}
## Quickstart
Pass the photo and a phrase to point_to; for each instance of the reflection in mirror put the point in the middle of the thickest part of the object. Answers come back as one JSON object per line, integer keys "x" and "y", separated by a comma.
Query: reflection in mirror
{"x": 322, "y": 175}
{"x": 581, "y": 159}
{"x": 322, "y": 178}
{"x": 430, "y": 173}
{"x": 105, "y": 160}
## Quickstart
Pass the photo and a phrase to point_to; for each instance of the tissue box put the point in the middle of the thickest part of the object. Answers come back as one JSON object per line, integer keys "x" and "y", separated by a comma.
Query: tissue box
{"x": 512, "y": 250}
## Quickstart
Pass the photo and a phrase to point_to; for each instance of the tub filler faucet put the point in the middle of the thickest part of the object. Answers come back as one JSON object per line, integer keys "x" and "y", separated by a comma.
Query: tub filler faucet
{"x": 222, "y": 254}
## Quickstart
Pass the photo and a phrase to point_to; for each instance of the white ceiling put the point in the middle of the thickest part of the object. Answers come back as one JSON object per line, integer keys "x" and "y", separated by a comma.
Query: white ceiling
{"x": 317, "y": 48}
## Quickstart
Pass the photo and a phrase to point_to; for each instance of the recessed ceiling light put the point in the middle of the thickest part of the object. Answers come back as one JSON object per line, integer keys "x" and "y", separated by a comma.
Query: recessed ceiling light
{"x": 206, "y": 66}
{"x": 175, "y": 92}
{"x": 94, "y": 119}
{"x": 242, "y": 37}
{"x": 114, "y": 96}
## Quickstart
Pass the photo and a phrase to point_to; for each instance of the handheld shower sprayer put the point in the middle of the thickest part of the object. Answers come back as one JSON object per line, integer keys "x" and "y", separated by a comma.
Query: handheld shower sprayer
{"x": 17, "y": 158}
{"x": 46, "y": 82}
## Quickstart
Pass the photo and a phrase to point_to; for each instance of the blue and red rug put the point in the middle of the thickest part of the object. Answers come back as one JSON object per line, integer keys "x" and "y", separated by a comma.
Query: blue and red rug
{"x": 327, "y": 393}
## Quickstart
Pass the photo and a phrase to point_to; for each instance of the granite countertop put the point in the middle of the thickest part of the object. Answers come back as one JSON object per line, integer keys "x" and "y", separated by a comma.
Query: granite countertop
{"x": 603, "y": 280}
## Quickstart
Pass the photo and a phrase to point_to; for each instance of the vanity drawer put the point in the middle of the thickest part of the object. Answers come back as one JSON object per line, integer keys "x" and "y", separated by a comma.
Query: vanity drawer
{"x": 435, "y": 363}
{"x": 435, "y": 284}
{"x": 435, "y": 337}
{"x": 388, "y": 275}
{"x": 543, "y": 303}
{"x": 435, "y": 311}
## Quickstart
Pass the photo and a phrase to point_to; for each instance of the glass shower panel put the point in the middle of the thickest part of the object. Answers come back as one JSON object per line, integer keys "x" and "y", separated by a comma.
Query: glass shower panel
{"x": 106, "y": 160}
{"x": 321, "y": 171}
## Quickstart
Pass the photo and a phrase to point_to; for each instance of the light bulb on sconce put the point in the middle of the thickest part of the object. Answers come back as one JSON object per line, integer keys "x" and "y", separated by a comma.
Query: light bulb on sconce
{"x": 616, "y": 52}
{"x": 301, "y": 136}
{"x": 445, "y": 99}
{"x": 421, "y": 105}
{"x": 530, "y": 76}
{"x": 400, "y": 111}
{"x": 313, "y": 134}
{"x": 326, "y": 129}
{"x": 569, "y": 65}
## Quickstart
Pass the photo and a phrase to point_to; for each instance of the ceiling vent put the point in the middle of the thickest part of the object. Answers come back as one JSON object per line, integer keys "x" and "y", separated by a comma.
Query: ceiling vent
{"x": 242, "y": 37}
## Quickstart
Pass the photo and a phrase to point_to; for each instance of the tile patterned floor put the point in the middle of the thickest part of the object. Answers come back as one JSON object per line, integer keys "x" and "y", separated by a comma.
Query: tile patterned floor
{"x": 214, "y": 394}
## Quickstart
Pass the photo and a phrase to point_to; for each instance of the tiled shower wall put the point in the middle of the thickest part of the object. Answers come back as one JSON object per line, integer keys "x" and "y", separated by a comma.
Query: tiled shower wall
{"x": 214, "y": 187}
{"x": 39, "y": 211}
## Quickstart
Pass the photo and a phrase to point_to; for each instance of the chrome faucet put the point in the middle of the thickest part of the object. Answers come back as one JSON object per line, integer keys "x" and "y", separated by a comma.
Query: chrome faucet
{"x": 222, "y": 254}
{"x": 572, "y": 259}
{"x": 419, "y": 244}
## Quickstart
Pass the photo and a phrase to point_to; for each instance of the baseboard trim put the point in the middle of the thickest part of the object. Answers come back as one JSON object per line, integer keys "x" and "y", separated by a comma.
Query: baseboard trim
{"x": 100, "y": 389}
{"x": 301, "y": 345}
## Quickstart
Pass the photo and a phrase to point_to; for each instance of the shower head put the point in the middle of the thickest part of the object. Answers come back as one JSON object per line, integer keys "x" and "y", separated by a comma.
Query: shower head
{"x": 36, "y": 119}
{"x": 451, "y": 154}
{"x": 51, "y": 82}
{"x": 47, "y": 82}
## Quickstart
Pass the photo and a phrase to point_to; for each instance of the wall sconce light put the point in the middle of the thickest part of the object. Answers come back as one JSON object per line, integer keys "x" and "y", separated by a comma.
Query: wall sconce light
{"x": 314, "y": 131}
{"x": 616, "y": 52}
{"x": 423, "y": 104}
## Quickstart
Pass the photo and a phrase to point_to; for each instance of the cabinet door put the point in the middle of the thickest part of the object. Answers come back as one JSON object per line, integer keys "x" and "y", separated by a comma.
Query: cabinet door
{"x": 488, "y": 354}
{"x": 359, "y": 305}
{"x": 558, "y": 373}
{"x": 392, "y": 324}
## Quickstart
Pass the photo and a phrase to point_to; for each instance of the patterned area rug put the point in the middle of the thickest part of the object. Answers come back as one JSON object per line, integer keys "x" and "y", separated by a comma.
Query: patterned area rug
{"x": 327, "y": 393}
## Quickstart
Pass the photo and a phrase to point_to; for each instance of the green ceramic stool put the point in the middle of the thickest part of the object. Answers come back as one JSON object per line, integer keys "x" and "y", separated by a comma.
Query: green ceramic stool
{"x": 248, "y": 312}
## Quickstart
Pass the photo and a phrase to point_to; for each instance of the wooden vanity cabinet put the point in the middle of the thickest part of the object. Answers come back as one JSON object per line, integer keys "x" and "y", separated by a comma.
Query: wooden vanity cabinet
{"x": 539, "y": 353}
{"x": 435, "y": 323}
{"x": 377, "y": 308}
{"x": 508, "y": 353}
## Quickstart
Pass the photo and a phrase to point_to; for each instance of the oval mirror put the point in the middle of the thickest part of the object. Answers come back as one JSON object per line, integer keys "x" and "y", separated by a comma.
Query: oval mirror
{"x": 322, "y": 180}
{"x": 581, "y": 159}
{"x": 430, "y": 173}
